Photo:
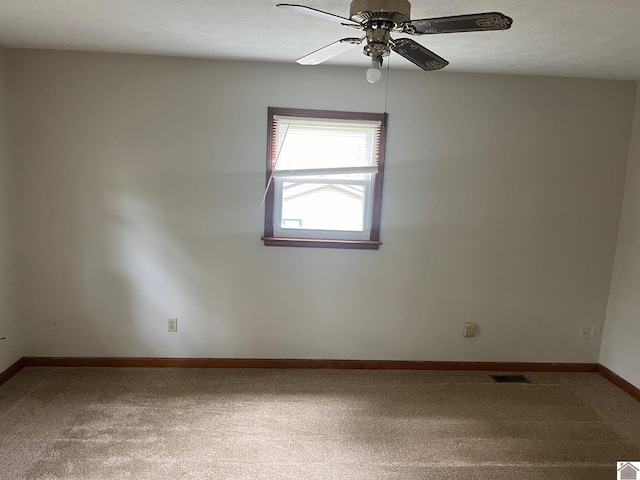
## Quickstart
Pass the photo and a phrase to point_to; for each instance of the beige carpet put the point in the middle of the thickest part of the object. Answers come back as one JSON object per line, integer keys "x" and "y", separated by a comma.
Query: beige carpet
{"x": 99, "y": 423}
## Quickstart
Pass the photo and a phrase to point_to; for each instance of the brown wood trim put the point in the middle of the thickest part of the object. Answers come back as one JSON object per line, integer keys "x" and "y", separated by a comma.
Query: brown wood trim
{"x": 147, "y": 362}
{"x": 269, "y": 201}
{"x": 316, "y": 243}
{"x": 618, "y": 381}
{"x": 304, "y": 364}
{"x": 335, "y": 114}
{"x": 376, "y": 214}
{"x": 11, "y": 371}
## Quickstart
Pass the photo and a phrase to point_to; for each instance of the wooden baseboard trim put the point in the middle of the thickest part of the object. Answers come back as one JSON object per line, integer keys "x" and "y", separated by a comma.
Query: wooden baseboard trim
{"x": 618, "y": 381}
{"x": 146, "y": 362}
{"x": 152, "y": 362}
{"x": 12, "y": 370}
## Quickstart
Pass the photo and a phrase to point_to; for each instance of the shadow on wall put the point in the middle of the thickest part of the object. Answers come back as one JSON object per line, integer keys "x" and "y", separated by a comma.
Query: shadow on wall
{"x": 167, "y": 246}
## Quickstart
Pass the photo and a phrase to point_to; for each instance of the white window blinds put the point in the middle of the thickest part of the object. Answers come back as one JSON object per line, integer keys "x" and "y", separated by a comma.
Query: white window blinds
{"x": 314, "y": 147}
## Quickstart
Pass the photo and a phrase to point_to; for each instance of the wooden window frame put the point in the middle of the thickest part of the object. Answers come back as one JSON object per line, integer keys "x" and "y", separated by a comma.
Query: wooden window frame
{"x": 373, "y": 243}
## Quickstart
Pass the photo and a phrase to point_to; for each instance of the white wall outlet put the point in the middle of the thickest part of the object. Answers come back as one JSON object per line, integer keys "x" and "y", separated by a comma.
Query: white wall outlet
{"x": 173, "y": 325}
{"x": 54, "y": 324}
{"x": 469, "y": 329}
{"x": 596, "y": 332}
{"x": 584, "y": 332}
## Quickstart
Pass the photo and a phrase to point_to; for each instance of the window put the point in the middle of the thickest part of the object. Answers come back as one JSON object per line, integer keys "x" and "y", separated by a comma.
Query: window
{"x": 324, "y": 178}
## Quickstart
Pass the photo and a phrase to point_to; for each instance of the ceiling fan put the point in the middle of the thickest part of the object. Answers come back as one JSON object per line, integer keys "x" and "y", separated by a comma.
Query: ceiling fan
{"x": 379, "y": 18}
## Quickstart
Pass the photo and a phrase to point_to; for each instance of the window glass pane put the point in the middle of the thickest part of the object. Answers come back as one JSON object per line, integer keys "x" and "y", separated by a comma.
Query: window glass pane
{"x": 323, "y": 206}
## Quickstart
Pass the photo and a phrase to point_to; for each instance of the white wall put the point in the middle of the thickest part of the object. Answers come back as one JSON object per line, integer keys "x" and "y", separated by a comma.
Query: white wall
{"x": 12, "y": 348}
{"x": 141, "y": 180}
{"x": 621, "y": 342}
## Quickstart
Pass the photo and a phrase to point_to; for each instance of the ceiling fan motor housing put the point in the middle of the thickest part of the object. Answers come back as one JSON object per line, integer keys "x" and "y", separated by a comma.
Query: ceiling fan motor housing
{"x": 366, "y": 11}
{"x": 377, "y": 43}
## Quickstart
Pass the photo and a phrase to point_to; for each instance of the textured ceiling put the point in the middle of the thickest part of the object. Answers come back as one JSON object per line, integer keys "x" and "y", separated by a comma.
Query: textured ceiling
{"x": 583, "y": 38}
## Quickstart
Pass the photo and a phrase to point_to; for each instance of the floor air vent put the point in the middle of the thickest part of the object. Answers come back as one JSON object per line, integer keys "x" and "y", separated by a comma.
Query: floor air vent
{"x": 510, "y": 378}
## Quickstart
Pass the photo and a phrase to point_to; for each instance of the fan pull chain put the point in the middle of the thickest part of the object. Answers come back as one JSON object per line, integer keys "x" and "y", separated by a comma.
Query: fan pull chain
{"x": 386, "y": 86}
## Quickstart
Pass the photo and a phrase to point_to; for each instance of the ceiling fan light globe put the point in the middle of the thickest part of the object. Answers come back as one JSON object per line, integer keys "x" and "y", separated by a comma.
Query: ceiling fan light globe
{"x": 373, "y": 75}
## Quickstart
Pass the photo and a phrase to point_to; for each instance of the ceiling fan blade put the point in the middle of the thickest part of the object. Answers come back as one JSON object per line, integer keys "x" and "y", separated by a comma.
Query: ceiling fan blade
{"x": 318, "y": 13}
{"x": 417, "y": 54}
{"x": 329, "y": 51}
{"x": 476, "y": 22}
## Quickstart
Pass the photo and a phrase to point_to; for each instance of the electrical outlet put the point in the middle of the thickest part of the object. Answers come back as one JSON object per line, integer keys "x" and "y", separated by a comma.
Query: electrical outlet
{"x": 173, "y": 325}
{"x": 596, "y": 332}
{"x": 54, "y": 324}
{"x": 584, "y": 332}
{"x": 469, "y": 329}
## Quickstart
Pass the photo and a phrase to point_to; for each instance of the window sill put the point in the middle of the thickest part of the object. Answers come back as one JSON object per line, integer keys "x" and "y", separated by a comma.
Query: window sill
{"x": 317, "y": 243}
